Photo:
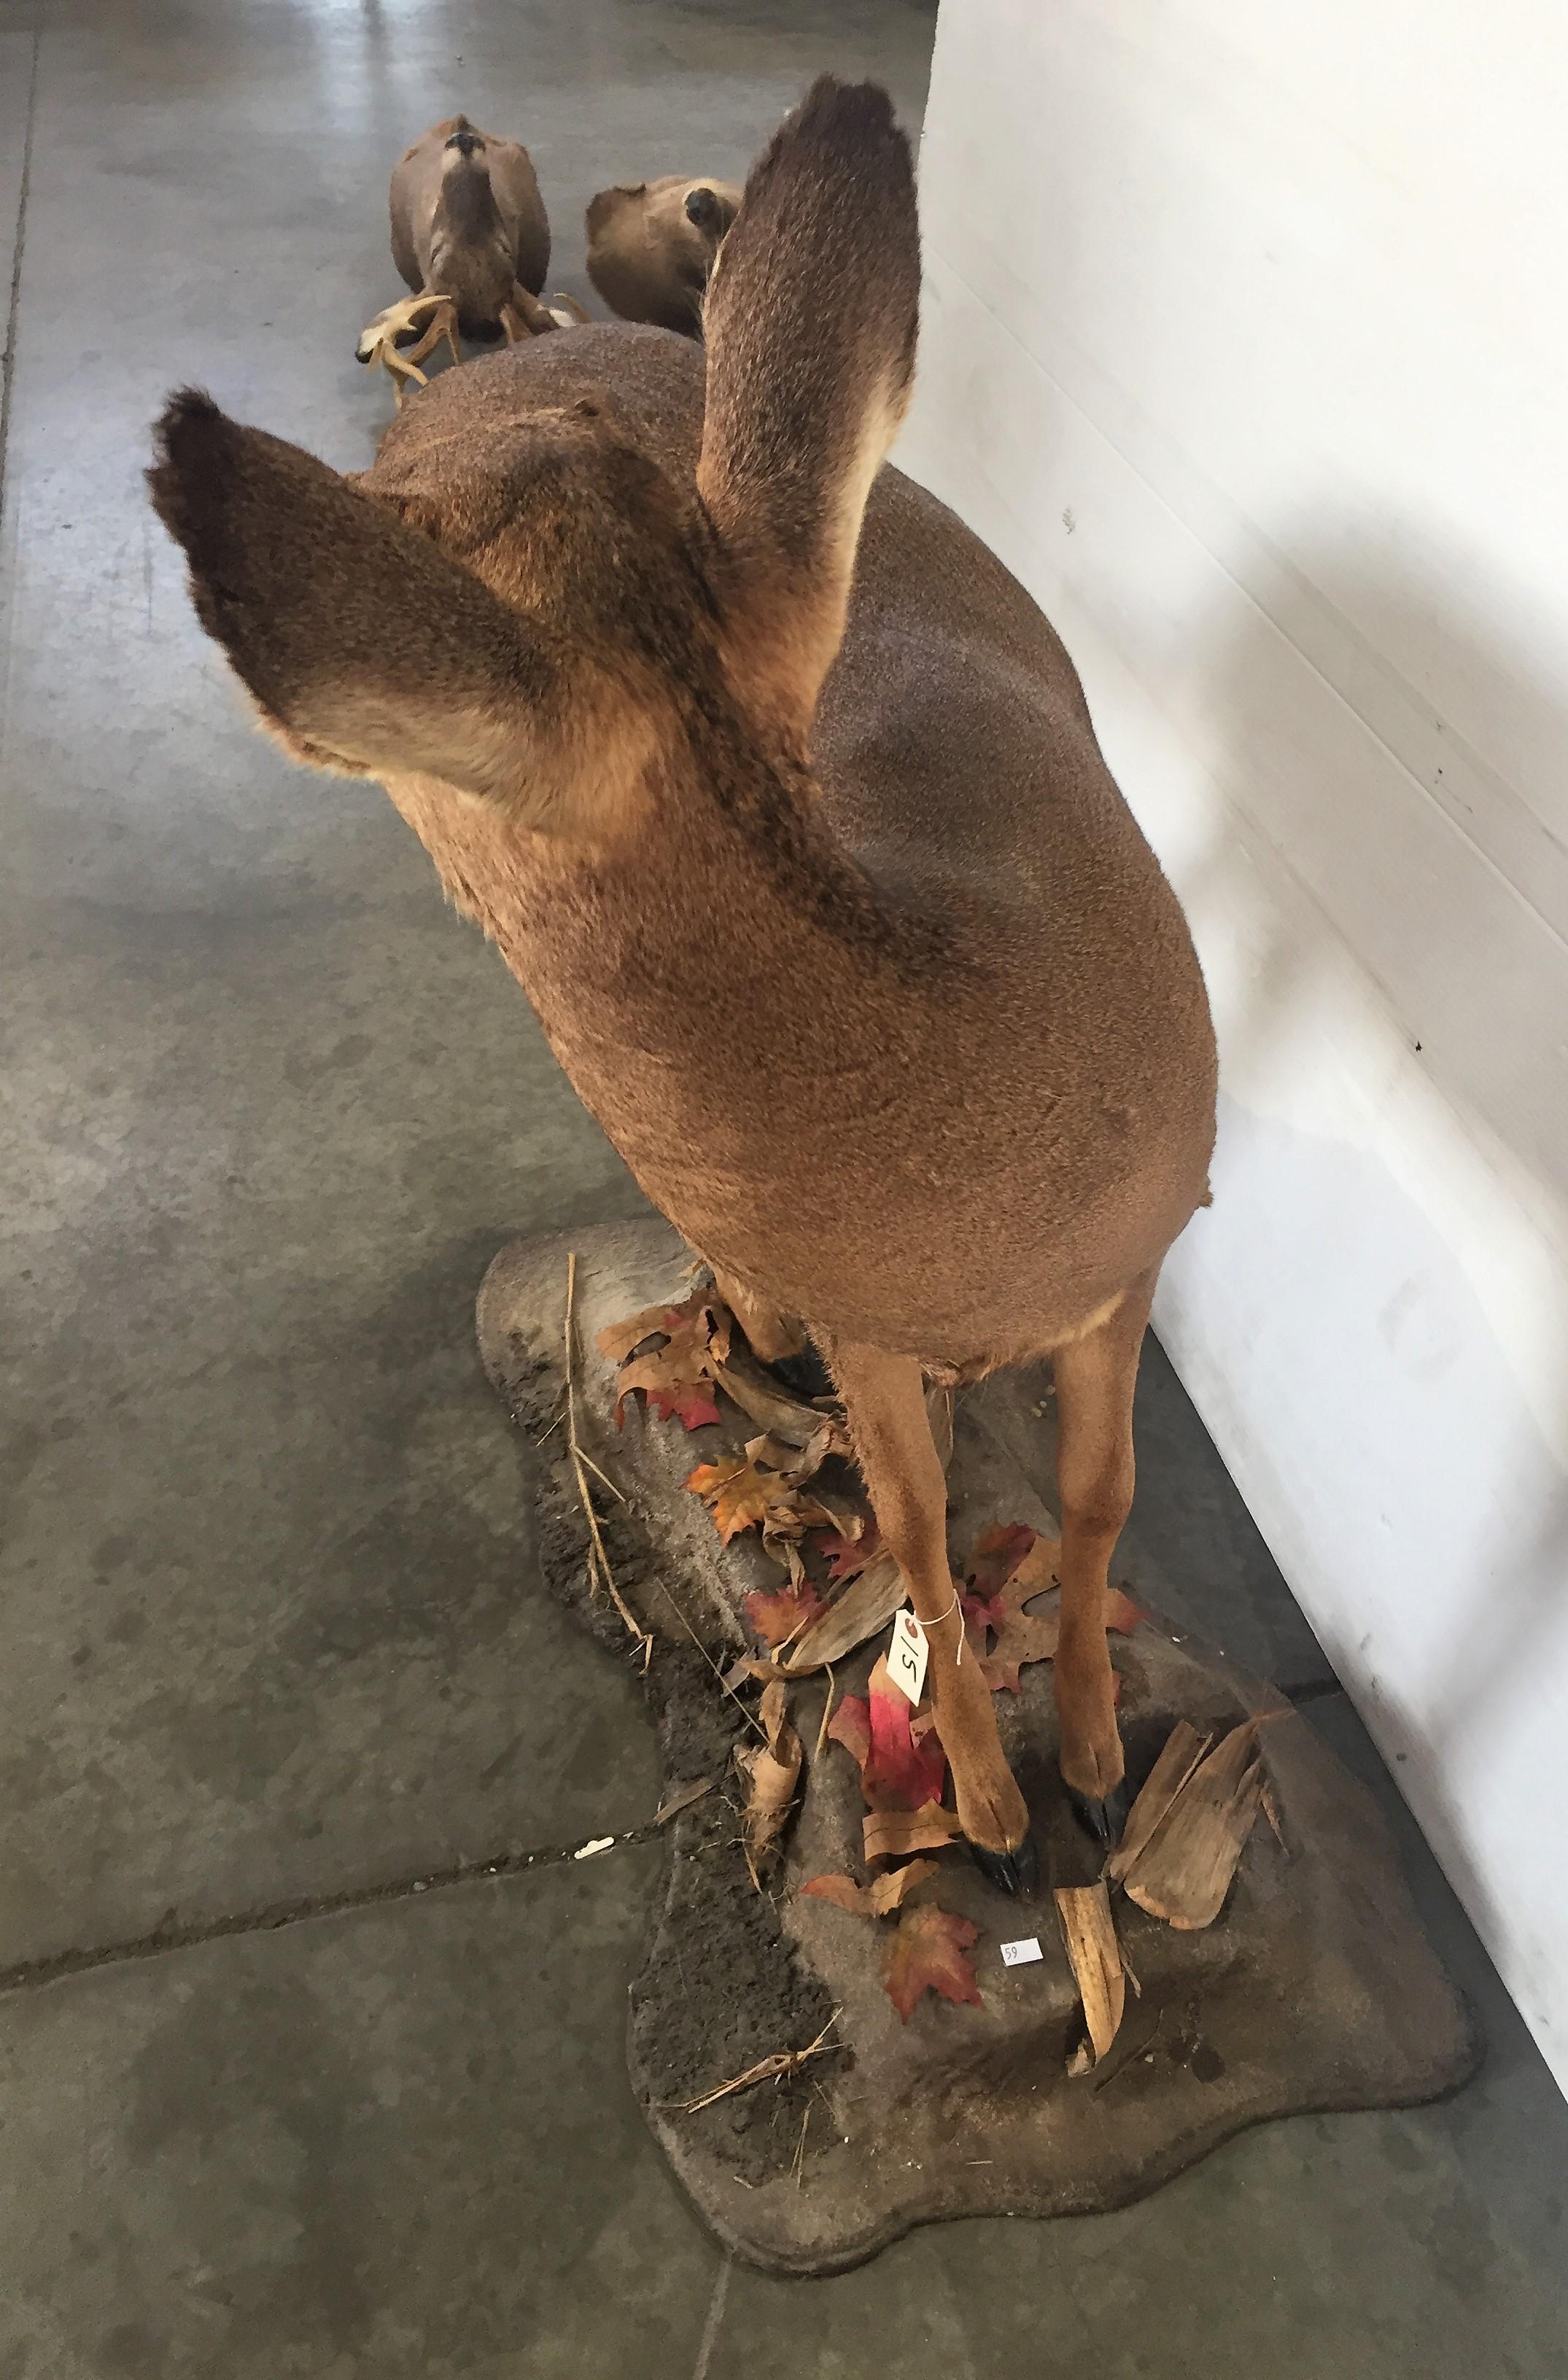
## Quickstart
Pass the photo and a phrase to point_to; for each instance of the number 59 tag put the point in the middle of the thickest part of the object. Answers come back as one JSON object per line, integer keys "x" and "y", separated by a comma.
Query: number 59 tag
{"x": 906, "y": 1655}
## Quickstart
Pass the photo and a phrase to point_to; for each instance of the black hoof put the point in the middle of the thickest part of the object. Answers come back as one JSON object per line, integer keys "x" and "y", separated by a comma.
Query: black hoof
{"x": 1104, "y": 1820}
{"x": 1014, "y": 1872}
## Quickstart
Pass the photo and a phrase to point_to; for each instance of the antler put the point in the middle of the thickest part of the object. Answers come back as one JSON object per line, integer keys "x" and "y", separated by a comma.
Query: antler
{"x": 378, "y": 343}
{"x": 523, "y": 315}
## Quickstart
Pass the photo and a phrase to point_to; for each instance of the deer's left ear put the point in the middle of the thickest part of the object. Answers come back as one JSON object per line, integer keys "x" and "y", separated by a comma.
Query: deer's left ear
{"x": 365, "y": 647}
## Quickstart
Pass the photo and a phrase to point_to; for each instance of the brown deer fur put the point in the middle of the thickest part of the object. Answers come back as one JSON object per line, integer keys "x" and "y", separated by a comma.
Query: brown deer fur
{"x": 467, "y": 220}
{"x": 810, "y": 864}
{"x": 652, "y": 245}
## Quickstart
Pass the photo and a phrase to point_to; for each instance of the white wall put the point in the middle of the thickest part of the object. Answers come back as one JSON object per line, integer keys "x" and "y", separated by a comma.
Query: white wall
{"x": 1245, "y": 345}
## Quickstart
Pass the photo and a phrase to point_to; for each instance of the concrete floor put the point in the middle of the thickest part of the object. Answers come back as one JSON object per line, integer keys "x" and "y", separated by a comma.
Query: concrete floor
{"x": 274, "y": 1652}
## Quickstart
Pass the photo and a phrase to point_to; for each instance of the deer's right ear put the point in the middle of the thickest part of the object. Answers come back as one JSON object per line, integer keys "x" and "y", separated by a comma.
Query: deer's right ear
{"x": 367, "y": 649}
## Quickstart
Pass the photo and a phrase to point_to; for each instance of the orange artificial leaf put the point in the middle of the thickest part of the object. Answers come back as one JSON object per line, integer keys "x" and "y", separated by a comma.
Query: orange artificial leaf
{"x": 698, "y": 1326}
{"x": 1122, "y": 1613}
{"x": 842, "y": 1891}
{"x": 678, "y": 1377}
{"x": 739, "y": 1495}
{"x": 877, "y": 1899}
{"x": 669, "y": 1395}
{"x": 926, "y": 1954}
{"x": 777, "y": 1618}
{"x": 888, "y": 1892}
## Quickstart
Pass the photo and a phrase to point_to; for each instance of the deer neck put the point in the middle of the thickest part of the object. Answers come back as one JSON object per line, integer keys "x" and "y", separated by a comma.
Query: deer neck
{"x": 696, "y": 972}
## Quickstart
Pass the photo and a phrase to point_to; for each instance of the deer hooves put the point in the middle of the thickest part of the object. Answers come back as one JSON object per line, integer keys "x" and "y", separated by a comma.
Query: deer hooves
{"x": 1102, "y": 1818}
{"x": 1012, "y": 1872}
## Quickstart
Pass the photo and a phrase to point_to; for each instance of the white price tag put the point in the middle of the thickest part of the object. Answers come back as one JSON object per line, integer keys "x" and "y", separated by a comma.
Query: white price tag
{"x": 906, "y": 1655}
{"x": 1021, "y": 1954}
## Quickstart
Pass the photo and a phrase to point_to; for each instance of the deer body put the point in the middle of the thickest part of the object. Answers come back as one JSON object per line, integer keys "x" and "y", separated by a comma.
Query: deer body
{"x": 781, "y": 800}
{"x": 942, "y": 1080}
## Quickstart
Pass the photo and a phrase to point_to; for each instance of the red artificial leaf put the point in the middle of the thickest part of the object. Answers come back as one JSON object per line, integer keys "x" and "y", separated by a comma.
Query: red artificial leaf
{"x": 900, "y": 1757}
{"x": 926, "y": 1954}
{"x": 847, "y": 1556}
{"x": 777, "y": 1618}
{"x": 851, "y": 1726}
{"x": 901, "y": 1772}
{"x": 984, "y": 1616}
{"x": 984, "y": 1610}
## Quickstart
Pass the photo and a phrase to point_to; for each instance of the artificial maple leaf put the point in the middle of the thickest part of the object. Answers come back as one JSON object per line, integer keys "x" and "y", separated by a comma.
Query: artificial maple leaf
{"x": 777, "y": 1618}
{"x": 901, "y": 1771}
{"x": 693, "y": 1315}
{"x": 847, "y": 1556}
{"x": 1121, "y": 1612}
{"x": 877, "y": 1899}
{"x": 997, "y": 1556}
{"x": 842, "y": 1891}
{"x": 741, "y": 1497}
{"x": 669, "y": 1395}
{"x": 926, "y": 1954}
{"x": 851, "y": 1726}
{"x": 676, "y": 1377}
{"x": 1028, "y": 1566}
{"x": 983, "y": 1615}
{"x": 901, "y": 1760}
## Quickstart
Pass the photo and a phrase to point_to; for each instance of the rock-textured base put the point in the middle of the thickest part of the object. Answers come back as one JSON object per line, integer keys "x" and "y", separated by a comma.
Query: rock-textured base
{"x": 1317, "y": 1989}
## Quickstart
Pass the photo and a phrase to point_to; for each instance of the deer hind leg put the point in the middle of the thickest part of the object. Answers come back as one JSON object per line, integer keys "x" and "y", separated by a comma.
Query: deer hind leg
{"x": 1095, "y": 1376}
{"x": 884, "y": 1402}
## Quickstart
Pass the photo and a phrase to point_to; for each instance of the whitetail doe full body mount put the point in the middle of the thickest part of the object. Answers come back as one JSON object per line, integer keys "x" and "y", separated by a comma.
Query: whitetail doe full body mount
{"x": 470, "y": 237}
{"x": 712, "y": 724}
{"x": 652, "y": 245}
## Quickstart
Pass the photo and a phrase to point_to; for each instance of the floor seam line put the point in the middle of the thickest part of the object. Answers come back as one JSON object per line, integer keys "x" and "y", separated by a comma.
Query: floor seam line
{"x": 26, "y": 1974}
{"x": 13, "y": 312}
{"x": 715, "y": 2323}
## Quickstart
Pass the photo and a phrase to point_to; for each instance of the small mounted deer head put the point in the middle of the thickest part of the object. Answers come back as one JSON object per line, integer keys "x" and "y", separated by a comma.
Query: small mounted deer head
{"x": 470, "y": 237}
{"x": 652, "y": 245}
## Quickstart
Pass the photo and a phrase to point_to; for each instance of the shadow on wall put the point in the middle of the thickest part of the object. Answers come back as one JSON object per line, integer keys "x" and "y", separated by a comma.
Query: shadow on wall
{"x": 1431, "y": 1424}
